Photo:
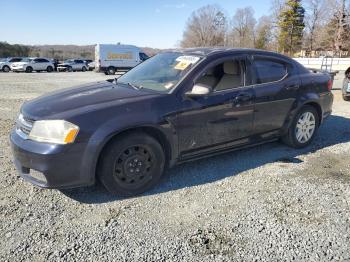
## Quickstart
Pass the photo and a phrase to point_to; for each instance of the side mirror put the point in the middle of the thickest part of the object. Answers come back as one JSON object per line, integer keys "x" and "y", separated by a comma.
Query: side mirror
{"x": 199, "y": 90}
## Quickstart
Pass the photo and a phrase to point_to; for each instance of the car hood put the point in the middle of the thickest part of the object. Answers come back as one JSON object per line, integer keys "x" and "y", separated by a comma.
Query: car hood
{"x": 65, "y": 64}
{"x": 84, "y": 98}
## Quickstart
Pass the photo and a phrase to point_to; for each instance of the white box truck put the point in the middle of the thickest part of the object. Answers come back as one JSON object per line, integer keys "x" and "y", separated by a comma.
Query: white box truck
{"x": 111, "y": 58}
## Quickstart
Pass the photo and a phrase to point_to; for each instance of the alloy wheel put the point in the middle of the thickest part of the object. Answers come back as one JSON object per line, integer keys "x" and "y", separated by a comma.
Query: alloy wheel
{"x": 305, "y": 127}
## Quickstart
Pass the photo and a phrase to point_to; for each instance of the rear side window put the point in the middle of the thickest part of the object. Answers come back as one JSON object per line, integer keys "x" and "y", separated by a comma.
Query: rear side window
{"x": 15, "y": 60}
{"x": 269, "y": 70}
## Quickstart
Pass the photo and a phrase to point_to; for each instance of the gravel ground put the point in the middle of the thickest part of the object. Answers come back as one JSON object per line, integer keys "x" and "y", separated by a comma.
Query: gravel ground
{"x": 268, "y": 203}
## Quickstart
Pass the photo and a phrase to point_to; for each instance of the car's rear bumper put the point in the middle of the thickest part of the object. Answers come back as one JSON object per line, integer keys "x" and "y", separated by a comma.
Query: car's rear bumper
{"x": 48, "y": 165}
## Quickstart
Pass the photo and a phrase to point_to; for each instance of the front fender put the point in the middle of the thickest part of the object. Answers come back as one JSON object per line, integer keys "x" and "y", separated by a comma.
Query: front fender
{"x": 115, "y": 126}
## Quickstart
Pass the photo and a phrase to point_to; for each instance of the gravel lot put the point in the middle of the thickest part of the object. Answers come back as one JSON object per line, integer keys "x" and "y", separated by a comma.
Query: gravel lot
{"x": 269, "y": 203}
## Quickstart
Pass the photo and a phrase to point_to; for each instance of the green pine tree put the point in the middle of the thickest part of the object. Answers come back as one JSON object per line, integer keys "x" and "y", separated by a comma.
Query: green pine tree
{"x": 291, "y": 27}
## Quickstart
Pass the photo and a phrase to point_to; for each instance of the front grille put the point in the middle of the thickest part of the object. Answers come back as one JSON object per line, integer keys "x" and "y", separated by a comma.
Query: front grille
{"x": 23, "y": 126}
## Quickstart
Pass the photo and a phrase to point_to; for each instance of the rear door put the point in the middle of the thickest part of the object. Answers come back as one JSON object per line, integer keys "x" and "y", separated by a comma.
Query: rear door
{"x": 276, "y": 85}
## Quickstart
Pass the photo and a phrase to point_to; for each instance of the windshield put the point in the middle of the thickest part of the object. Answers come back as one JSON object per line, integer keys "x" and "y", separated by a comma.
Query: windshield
{"x": 69, "y": 61}
{"x": 161, "y": 72}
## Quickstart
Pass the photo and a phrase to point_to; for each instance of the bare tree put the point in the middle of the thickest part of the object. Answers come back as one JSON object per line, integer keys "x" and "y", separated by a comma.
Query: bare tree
{"x": 263, "y": 33}
{"x": 316, "y": 16}
{"x": 243, "y": 28}
{"x": 206, "y": 27}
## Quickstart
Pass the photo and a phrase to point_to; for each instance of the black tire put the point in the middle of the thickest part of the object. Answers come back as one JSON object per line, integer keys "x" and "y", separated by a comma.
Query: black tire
{"x": 29, "y": 69}
{"x": 83, "y": 69}
{"x": 49, "y": 69}
{"x": 346, "y": 98}
{"x": 131, "y": 164}
{"x": 111, "y": 70}
{"x": 291, "y": 137}
{"x": 6, "y": 69}
{"x": 69, "y": 69}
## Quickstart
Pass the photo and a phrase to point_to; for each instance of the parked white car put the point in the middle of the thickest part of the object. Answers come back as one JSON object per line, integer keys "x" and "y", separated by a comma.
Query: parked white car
{"x": 29, "y": 65}
{"x": 111, "y": 58}
{"x": 91, "y": 65}
{"x": 5, "y": 63}
{"x": 71, "y": 65}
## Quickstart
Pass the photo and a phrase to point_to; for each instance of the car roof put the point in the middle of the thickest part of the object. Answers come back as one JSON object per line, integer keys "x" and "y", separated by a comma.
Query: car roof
{"x": 208, "y": 51}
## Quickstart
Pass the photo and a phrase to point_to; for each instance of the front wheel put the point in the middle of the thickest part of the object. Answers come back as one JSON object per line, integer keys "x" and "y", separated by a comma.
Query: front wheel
{"x": 131, "y": 164}
{"x": 49, "y": 69}
{"x": 29, "y": 69}
{"x": 6, "y": 69}
{"x": 303, "y": 128}
{"x": 346, "y": 98}
{"x": 83, "y": 69}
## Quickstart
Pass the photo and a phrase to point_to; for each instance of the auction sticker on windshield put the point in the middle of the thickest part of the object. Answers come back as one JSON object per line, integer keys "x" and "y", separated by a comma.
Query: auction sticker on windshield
{"x": 348, "y": 90}
{"x": 185, "y": 61}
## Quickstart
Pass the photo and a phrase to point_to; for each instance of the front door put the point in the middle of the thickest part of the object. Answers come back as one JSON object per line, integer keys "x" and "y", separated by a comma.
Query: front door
{"x": 223, "y": 116}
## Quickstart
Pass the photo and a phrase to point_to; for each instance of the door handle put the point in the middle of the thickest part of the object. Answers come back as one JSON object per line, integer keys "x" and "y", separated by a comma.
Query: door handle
{"x": 242, "y": 97}
{"x": 292, "y": 87}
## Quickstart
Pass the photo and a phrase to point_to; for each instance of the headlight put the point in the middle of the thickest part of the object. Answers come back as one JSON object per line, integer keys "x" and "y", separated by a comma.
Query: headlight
{"x": 54, "y": 131}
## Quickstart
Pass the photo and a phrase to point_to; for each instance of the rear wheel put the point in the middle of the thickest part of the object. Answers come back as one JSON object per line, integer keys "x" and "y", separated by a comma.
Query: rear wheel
{"x": 49, "y": 69}
{"x": 131, "y": 164}
{"x": 303, "y": 128}
{"x": 83, "y": 69}
{"x": 6, "y": 69}
{"x": 111, "y": 70}
{"x": 29, "y": 69}
{"x": 346, "y": 98}
{"x": 69, "y": 69}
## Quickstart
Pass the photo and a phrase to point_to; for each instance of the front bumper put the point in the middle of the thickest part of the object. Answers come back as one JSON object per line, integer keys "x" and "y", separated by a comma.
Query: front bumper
{"x": 18, "y": 69}
{"x": 58, "y": 165}
{"x": 62, "y": 68}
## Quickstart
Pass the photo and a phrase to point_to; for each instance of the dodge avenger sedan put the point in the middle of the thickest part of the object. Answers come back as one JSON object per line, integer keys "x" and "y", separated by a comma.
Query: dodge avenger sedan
{"x": 177, "y": 106}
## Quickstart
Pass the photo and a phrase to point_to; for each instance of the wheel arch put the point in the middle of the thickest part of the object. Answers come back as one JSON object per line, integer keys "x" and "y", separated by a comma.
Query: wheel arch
{"x": 93, "y": 154}
{"x": 318, "y": 108}
{"x": 152, "y": 131}
{"x": 294, "y": 111}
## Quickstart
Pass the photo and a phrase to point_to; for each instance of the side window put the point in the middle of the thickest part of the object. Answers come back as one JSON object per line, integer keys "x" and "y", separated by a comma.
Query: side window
{"x": 44, "y": 60}
{"x": 143, "y": 56}
{"x": 269, "y": 70}
{"x": 79, "y": 61}
{"x": 37, "y": 60}
{"x": 225, "y": 75}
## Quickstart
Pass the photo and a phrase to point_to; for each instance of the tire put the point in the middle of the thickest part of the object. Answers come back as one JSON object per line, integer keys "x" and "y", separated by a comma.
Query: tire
{"x": 6, "y": 69}
{"x": 29, "y": 69}
{"x": 69, "y": 69}
{"x": 131, "y": 164}
{"x": 83, "y": 69}
{"x": 346, "y": 98}
{"x": 111, "y": 70}
{"x": 49, "y": 69}
{"x": 303, "y": 128}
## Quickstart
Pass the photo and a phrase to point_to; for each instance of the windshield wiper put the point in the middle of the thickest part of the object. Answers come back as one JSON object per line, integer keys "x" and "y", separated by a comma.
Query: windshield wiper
{"x": 137, "y": 87}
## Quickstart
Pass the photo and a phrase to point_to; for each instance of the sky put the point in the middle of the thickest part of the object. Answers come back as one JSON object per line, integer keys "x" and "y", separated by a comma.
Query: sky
{"x": 148, "y": 23}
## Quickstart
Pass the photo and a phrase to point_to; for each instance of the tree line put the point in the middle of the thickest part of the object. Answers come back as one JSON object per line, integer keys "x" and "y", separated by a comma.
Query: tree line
{"x": 292, "y": 27}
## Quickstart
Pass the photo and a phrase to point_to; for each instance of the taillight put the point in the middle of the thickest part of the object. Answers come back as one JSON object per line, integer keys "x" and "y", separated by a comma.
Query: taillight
{"x": 330, "y": 84}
